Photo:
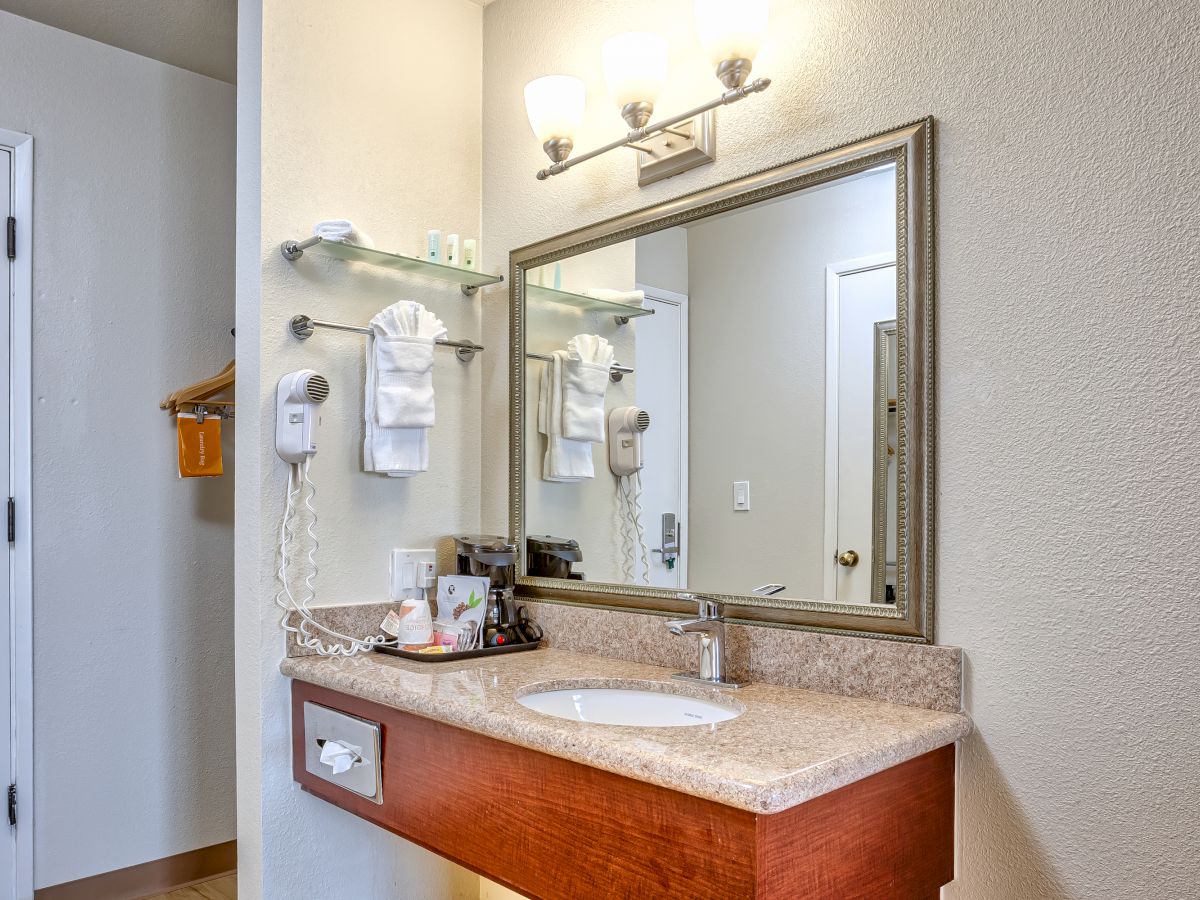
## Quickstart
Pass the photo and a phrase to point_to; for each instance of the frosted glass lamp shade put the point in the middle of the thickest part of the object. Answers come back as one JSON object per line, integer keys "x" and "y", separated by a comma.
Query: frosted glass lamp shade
{"x": 554, "y": 104}
{"x": 635, "y": 67}
{"x": 731, "y": 29}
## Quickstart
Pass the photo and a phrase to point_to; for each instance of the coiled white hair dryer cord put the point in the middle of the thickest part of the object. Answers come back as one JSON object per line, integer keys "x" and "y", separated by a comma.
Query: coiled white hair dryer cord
{"x": 639, "y": 531}
{"x": 633, "y": 537}
{"x": 298, "y": 482}
{"x": 623, "y": 516}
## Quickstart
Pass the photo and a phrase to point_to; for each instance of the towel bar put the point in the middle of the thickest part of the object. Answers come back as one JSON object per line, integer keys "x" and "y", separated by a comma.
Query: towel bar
{"x": 615, "y": 372}
{"x": 302, "y": 328}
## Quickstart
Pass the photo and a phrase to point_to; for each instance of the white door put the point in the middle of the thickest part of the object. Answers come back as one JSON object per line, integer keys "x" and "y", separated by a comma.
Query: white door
{"x": 861, "y": 294}
{"x": 661, "y": 372}
{"x": 8, "y": 854}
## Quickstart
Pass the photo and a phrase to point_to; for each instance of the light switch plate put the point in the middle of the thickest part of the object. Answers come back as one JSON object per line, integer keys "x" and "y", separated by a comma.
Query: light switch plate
{"x": 741, "y": 496}
{"x": 405, "y": 565}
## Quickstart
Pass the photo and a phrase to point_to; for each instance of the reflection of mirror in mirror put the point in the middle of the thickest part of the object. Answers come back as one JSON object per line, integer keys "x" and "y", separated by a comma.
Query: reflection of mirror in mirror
{"x": 762, "y": 344}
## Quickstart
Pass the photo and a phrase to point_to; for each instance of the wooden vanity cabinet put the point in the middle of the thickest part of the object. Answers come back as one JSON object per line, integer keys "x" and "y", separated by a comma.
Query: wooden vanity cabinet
{"x": 552, "y": 828}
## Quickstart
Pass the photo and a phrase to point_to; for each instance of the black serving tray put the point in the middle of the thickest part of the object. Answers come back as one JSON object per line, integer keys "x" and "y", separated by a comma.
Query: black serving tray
{"x": 458, "y": 654}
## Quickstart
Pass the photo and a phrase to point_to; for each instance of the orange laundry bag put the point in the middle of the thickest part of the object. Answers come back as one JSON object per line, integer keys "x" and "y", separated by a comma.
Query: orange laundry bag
{"x": 199, "y": 446}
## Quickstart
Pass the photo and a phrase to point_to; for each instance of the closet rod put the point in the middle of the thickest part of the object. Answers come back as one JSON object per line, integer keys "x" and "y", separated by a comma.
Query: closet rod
{"x": 302, "y": 328}
{"x": 615, "y": 372}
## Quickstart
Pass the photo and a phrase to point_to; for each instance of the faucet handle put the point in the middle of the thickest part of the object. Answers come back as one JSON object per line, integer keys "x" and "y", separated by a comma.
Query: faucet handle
{"x": 706, "y": 607}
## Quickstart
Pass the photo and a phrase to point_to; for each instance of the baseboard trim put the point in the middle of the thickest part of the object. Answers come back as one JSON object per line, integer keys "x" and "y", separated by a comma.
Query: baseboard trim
{"x": 146, "y": 879}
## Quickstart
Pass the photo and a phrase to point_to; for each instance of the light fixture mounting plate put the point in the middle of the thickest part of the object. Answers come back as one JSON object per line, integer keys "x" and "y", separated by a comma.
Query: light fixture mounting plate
{"x": 687, "y": 145}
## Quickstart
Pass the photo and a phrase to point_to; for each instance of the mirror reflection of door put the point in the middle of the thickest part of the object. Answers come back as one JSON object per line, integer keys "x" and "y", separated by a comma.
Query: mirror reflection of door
{"x": 661, "y": 364}
{"x": 883, "y": 548}
{"x": 860, "y": 294}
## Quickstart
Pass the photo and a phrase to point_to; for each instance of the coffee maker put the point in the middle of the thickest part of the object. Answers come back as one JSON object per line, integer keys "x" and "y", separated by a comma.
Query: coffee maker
{"x": 487, "y": 555}
{"x": 495, "y": 558}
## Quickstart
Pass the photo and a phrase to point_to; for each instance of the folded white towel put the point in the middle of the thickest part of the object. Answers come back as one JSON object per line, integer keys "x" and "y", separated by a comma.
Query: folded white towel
{"x": 343, "y": 231}
{"x": 585, "y": 379}
{"x": 404, "y": 381}
{"x": 396, "y": 452}
{"x": 629, "y": 298}
{"x": 565, "y": 460}
{"x": 398, "y": 405}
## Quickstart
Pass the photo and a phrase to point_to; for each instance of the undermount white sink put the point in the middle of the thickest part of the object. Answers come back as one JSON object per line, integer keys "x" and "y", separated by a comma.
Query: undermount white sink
{"x": 629, "y": 706}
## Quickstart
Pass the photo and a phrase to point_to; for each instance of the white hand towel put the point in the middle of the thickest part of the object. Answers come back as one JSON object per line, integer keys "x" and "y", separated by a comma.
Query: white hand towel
{"x": 629, "y": 298}
{"x": 399, "y": 389}
{"x": 397, "y": 452}
{"x": 404, "y": 386}
{"x": 585, "y": 379}
{"x": 565, "y": 460}
{"x": 343, "y": 231}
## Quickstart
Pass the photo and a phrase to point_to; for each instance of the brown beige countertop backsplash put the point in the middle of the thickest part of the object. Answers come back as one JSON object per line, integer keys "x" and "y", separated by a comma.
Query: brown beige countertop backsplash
{"x": 921, "y": 675}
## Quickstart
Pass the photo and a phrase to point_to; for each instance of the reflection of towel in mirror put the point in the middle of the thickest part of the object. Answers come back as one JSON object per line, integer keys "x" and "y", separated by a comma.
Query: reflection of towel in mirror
{"x": 398, "y": 404}
{"x": 584, "y": 384}
{"x": 565, "y": 459}
{"x": 343, "y": 231}
{"x": 629, "y": 298}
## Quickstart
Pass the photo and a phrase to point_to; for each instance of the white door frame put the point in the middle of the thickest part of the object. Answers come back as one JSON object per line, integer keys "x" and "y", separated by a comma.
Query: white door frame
{"x": 681, "y": 521}
{"x": 21, "y": 480}
{"x": 833, "y": 290}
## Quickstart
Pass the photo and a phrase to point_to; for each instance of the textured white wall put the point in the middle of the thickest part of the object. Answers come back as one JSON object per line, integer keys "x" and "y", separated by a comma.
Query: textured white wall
{"x": 132, "y": 299}
{"x": 332, "y": 124}
{"x": 1067, "y": 426}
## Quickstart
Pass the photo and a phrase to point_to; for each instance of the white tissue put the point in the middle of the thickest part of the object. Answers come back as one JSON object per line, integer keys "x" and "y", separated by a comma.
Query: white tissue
{"x": 340, "y": 755}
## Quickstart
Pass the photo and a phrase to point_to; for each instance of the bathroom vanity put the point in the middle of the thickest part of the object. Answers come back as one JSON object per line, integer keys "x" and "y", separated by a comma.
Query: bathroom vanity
{"x": 799, "y": 794}
{"x": 819, "y": 273}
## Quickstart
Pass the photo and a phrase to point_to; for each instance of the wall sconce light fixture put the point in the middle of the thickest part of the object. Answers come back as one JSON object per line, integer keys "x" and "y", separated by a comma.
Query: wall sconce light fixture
{"x": 635, "y": 68}
{"x": 554, "y": 105}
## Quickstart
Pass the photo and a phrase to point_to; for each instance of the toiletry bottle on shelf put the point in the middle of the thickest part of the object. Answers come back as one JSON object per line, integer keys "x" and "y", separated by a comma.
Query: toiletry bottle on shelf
{"x": 433, "y": 245}
{"x": 470, "y": 248}
{"x": 452, "y": 250}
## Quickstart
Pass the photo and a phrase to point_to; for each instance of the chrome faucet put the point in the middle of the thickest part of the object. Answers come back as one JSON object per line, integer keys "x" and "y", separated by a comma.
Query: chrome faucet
{"x": 709, "y": 624}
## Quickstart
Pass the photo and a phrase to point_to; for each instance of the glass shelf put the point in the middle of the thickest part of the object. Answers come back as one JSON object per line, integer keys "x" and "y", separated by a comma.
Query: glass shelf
{"x": 584, "y": 303}
{"x": 354, "y": 253}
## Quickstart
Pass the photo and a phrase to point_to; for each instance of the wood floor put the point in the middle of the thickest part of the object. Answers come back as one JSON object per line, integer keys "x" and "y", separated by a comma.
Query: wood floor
{"x": 219, "y": 889}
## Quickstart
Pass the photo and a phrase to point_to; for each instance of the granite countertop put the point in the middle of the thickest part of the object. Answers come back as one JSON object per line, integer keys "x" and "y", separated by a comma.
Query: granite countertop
{"x": 788, "y": 746}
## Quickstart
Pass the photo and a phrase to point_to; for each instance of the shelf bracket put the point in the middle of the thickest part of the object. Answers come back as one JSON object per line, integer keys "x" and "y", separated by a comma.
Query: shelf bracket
{"x": 293, "y": 250}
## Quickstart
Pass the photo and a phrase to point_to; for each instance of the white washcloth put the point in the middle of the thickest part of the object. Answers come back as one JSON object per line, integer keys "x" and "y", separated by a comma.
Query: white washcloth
{"x": 565, "y": 460}
{"x": 343, "y": 231}
{"x": 398, "y": 405}
{"x": 629, "y": 298}
{"x": 584, "y": 383}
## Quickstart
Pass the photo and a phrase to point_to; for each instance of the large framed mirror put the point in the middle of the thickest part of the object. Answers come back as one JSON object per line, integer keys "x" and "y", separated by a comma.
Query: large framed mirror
{"x": 730, "y": 394}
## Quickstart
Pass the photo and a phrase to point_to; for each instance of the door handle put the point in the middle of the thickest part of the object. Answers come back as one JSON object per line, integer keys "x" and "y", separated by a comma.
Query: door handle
{"x": 848, "y": 558}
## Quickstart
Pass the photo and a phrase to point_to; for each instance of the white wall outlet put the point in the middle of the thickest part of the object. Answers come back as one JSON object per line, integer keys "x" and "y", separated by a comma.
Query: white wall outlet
{"x": 741, "y": 496}
{"x": 408, "y": 570}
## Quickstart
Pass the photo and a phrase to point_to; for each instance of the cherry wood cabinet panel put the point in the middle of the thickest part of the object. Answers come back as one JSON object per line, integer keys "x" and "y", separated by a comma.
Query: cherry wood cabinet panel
{"x": 553, "y": 829}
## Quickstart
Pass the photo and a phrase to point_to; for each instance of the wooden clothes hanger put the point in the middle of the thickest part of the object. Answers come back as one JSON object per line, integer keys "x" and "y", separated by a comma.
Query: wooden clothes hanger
{"x": 193, "y": 394}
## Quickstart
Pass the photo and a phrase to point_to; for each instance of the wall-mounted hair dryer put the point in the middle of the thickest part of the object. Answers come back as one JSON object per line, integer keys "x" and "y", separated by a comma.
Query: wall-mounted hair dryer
{"x": 296, "y": 417}
{"x": 625, "y": 427}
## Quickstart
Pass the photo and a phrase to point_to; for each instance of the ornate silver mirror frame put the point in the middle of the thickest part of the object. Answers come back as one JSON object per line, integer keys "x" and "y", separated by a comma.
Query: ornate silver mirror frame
{"x": 910, "y": 148}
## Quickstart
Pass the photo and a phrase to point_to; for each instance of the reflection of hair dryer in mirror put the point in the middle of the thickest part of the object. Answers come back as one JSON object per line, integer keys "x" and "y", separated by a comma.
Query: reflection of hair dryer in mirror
{"x": 296, "y": 417}
{"x": 625, "y": 427}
